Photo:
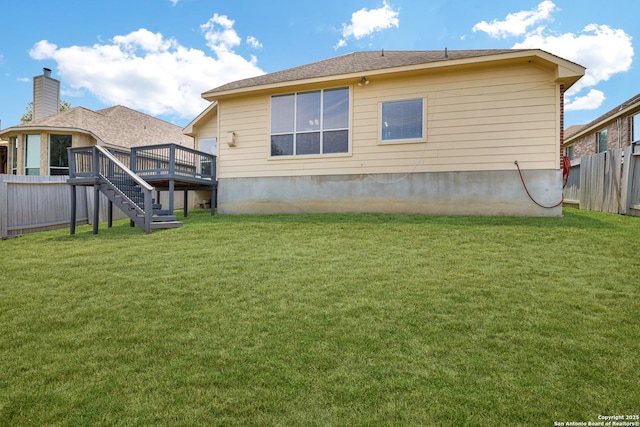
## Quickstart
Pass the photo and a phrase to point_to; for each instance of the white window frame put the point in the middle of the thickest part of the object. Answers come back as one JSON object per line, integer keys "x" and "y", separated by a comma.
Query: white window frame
{"x": 381, "y": 122}
{"x": 321, "y": 125}
{"x": 32, "y": 144}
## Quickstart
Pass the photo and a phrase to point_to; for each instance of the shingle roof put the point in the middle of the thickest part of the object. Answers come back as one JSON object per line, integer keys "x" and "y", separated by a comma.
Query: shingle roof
{"x": 633, "y": 101}
{"x": 572, "y": 130}
{"x": 116, "y": 125}
{"x": 357, "y": 62}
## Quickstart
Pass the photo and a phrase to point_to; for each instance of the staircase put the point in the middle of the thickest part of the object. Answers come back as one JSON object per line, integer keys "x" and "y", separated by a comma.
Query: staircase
{"x": 126, "y": 194}
{"x": 130, "y": 193}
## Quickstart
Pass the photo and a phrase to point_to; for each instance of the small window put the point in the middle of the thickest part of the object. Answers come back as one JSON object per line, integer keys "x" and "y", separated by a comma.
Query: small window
{"x": 58, "y": 154}
{"x": 602, "y": 141}
{"x": 402, "y": 121}
{"x": 570, "y": 152}
{"x": 14, "y": 155}
{"x": 636, "y": 128}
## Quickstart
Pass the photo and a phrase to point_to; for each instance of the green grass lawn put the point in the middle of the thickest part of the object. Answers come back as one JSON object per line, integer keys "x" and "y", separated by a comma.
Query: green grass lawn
{"x": 365, "y": 320}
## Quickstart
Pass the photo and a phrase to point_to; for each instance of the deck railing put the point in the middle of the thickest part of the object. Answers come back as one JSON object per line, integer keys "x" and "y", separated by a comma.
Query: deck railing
{"x": 174, "y": 161}
{"x": 156, "y": 161}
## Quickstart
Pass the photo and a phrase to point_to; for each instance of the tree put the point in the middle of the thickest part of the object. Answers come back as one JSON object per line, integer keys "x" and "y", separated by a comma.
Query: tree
{"x": 28, "y": 111}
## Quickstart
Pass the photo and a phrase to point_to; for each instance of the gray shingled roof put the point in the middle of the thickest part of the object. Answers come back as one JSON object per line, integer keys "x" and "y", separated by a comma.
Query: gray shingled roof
{"x": 357, "y": 62}
{"x": 116, "y": 125}
{"x": 572, "y": 131}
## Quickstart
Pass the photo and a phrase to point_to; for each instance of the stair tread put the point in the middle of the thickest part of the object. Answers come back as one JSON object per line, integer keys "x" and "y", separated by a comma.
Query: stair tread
{"x": 166, "y": 224}
{"x": 160, "y": 218}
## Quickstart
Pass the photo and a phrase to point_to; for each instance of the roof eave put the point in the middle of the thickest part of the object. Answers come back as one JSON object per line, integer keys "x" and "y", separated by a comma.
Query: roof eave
{"x": 601, "y": 124}
{"x": 12, "y": 131}
{"x": 568, "y": 72}
{"x": 189, "y": 129}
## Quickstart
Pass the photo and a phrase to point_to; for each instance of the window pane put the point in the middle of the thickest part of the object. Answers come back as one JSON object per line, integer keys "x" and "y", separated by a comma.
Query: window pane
{"x": 336, "y": 109}
{"x": 32, "y": 155}
{"x": 335, "y": 141}
{"x": 282, "y": 145}
{"x": 208, "y": 145}
{"x": 58, "y": 155}
{"x": 282, "y": 113}
{"x": 14, "y": 154}
{"x": 308, "y": 112}
{"x": 636, "y": 128}
{"x": 308, "y": 143}
{"x": 602, "y": 141}
{"x": 402, "y": 120}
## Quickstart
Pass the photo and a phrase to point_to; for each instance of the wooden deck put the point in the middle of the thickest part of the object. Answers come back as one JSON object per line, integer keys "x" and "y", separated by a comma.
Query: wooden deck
{"x": 166, "y": 167}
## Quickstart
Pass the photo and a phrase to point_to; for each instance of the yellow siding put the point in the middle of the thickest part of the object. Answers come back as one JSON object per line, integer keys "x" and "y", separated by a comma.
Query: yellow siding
{"x": 475, "y": 120}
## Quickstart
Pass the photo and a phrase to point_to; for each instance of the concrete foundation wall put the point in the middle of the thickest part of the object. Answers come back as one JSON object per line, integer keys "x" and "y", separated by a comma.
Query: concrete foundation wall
{"x": 487, "y": 193}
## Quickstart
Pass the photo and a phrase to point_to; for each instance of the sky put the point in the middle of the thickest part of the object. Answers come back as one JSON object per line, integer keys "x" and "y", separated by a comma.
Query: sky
{"x": 158, "y": 56}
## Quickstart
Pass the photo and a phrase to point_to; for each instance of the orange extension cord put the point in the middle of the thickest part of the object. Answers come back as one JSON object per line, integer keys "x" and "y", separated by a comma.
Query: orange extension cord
{"x": 566, "y": 169}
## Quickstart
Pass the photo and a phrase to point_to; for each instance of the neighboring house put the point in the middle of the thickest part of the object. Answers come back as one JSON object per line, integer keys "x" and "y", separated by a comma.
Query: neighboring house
{"x": 39, "y": 147}
{"x": 618, "y": 128}
{"x": 433, "y": 132}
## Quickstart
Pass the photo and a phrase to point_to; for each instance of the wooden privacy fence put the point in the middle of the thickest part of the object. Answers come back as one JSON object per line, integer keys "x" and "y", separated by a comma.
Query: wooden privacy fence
{"x": 38, "y": 203}
{"x": 606, "y": 182}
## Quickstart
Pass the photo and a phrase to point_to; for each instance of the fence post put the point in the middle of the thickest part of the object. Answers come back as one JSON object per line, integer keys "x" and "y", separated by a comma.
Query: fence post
{"x": 4, "y": 211}
{"x": 627, "y": 180}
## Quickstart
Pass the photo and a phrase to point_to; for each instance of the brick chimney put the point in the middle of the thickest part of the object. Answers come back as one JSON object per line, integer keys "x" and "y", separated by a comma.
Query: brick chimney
{"x": 46, "y": 95}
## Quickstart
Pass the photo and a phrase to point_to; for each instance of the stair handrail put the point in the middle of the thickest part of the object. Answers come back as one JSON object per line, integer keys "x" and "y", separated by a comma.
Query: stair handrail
{"x": 141, "y": 182}
{"x": 145, "y": 186}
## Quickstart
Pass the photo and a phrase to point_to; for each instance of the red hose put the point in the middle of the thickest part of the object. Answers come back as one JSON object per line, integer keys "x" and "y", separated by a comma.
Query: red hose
{"x": 566, "y": 169}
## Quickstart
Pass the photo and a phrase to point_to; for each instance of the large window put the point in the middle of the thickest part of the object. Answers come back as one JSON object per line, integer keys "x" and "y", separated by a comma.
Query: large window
{"x": 402, "y": 121}
{"x": 58, "y": 154}
{"x": 32, "y": 155}
{"x": 602, "y": 141}
{"x": 310, "y": 123}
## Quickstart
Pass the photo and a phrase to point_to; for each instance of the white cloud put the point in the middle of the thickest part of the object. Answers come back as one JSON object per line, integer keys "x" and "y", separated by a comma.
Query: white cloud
{"x": 24, "y": 79}
{"x": 365, "y": 22}
{"x": 145, "y": 40}
{"x": 516, "y": 24}
{"x": 148, "y": 72}
{"x": 254, "y": 42}
{"x": 603, "y": 50}
{"x": 219, "y": 33}
{"x": 174, "y": 2}
{"x": 590, "y": 101}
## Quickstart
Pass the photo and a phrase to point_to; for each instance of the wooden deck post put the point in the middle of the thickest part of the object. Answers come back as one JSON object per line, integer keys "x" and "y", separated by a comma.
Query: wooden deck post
{"x": 110, "y": 214}
{"x": 96, "y": 207}
{"x": 72, "y": 224}
{"x": 214, "y": 197}
{"x": 185, "y": 205}
{"x": 172, "y": 185}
